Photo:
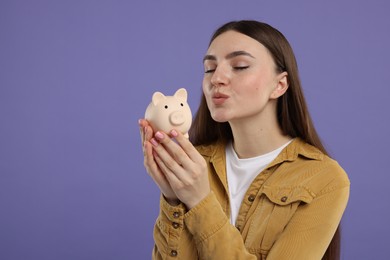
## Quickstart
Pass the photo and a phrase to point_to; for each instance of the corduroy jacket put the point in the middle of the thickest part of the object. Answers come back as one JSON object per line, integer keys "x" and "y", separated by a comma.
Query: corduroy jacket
{"x": 290, "y": 211}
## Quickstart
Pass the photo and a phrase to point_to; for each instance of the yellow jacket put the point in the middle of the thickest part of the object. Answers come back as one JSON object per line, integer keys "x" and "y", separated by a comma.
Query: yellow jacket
{"x": 290, "y": 211}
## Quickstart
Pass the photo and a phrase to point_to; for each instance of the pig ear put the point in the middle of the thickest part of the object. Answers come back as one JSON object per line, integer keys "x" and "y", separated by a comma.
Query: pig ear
{"x": 181, "y": 94}
{"x": 157, "y": 97}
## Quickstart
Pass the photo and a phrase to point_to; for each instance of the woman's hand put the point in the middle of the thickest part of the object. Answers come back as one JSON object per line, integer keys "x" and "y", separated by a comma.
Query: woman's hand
{"x": 183, "y": 167}
{"x": 151, "y": 167}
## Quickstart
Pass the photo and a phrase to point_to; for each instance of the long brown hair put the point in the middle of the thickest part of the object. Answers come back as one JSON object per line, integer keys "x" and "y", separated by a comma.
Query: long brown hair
{"x": 293, "y": 114}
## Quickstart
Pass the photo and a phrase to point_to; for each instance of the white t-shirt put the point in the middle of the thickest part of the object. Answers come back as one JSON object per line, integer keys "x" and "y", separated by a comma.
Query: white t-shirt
{"x": 242, "y": 172}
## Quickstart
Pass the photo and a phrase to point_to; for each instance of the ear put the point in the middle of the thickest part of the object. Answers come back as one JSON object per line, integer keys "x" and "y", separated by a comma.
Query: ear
{"x": 157, "y": 97}
{"x": 281, "y": 87}
{"x": 181, "y": 94}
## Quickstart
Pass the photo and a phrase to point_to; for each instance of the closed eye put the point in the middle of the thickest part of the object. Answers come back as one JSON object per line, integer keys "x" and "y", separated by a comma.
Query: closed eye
{"x": 241, "y": 68}
{"x": 209, "y": 71}
{"x": 235, "y": 68}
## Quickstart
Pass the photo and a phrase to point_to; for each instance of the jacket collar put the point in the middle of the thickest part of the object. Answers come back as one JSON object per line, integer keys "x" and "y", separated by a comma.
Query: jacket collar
{"x": 296, "y": 148}
{"x": 216, "y": 154}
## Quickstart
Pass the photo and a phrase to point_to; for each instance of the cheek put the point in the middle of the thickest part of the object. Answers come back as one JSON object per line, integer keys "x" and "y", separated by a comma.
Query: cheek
{"x": 250, "y": 86}
{"x": 252, "y": 91}
{"x": 205, "y": 88}
{"x": 258, "y": 85}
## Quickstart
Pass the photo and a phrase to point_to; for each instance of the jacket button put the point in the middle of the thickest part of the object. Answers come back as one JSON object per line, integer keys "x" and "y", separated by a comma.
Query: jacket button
{"x": 251, "y": 198}
{"x": 173, "y": 253}
{"x": 176, "y": 214}
{"x": 284, "y": 199}
{"x": 175, "y": 225}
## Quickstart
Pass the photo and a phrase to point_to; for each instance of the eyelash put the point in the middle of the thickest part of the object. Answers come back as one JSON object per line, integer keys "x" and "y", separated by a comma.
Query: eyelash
{"x": 209, "y": 71}
{"x": 241, "y": 68}
{"x": 235, "y": 68}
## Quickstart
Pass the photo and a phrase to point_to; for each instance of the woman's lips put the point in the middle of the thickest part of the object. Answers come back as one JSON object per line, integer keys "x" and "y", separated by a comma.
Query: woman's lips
{"x": 219, "y": 98}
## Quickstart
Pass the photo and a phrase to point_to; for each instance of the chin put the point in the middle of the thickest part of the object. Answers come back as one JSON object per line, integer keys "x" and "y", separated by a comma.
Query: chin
{"x": 220, "y": 118}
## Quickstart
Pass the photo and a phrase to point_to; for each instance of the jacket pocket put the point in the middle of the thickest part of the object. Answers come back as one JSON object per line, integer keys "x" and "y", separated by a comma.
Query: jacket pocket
{"x": 278, "y": 205}
{"x": 286, "y": 195}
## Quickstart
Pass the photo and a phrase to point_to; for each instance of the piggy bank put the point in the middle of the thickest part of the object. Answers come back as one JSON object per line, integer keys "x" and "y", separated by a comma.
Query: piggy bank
{"x": 170, "y": 112}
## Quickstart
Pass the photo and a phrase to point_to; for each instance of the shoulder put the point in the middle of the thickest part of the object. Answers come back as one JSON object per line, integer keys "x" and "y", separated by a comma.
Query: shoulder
{"x": 329, "y": 176}
{"x": 305, "y": 165}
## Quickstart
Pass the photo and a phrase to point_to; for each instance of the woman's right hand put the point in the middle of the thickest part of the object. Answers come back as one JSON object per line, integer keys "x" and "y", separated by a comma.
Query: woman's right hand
{"x": 151, "y": 166}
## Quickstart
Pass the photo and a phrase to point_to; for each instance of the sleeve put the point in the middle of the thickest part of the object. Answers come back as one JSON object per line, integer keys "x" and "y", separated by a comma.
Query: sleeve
{"x": 204, "y": 232}
{"x": 213, "y": 235}
{"x": 312, "y": 227}
{"x": 168, "y": 231}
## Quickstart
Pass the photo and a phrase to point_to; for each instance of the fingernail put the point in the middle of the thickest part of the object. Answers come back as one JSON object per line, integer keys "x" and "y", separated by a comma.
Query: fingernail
{"x": 159, "y": 135}
{"x": 174, "y": 133}
{"x": 139, "y": 121}
{"x": 154, "y": 142}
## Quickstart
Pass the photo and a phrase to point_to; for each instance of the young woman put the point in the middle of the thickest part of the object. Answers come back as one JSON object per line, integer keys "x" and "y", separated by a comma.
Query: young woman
{"x": 255, "y": 182}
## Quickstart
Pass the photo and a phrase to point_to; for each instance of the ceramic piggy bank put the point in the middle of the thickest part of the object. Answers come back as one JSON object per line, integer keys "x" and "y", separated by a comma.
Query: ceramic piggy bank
{"x": 169, "y": 112}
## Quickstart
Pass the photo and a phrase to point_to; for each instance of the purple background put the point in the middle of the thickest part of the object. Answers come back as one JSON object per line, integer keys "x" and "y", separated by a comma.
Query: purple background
{"x": 75, "y": 76}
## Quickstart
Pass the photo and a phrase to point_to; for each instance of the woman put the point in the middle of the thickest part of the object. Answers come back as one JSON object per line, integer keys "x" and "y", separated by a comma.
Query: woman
{"x": 255, "y": 182}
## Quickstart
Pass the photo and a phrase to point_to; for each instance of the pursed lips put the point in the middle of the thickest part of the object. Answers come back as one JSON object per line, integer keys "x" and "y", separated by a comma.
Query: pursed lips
{"x": 219, "y": 98}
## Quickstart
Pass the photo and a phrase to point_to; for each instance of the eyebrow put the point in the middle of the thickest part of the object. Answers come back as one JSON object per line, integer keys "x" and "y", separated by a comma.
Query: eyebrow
{"x": 229, "y": 56}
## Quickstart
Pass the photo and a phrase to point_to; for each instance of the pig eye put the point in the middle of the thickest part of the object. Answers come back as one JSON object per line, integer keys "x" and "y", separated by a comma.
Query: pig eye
{"x": 181, "y": 104}
{"x": 166, "y": 107}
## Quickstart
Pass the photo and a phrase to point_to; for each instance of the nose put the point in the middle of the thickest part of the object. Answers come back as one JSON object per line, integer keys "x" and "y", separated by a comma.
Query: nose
{"x": 177, "y": 118}
{"x": 220, "y": 77}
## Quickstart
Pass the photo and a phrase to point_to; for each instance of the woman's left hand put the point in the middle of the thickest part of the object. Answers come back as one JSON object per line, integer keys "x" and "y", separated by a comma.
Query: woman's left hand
{"x": 183, "y": 166}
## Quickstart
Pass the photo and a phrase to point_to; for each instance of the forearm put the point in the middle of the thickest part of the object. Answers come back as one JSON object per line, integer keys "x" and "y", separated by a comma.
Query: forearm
{"x": 214, "y": 236}
{"x": 168, "y": 230}
{"x": 204, "y": 232}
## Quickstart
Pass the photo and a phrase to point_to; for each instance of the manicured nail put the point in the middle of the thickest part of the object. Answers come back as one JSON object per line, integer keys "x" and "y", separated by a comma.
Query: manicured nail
{"x": 139, "y": 121}
{"x": 174, "y": 133}
{"x": 154, "y": 142}
{"x": 159, "y": 135}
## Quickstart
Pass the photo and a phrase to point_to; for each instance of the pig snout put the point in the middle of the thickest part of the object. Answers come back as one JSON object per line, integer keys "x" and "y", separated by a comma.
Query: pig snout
{"x": 177, "y": 118}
